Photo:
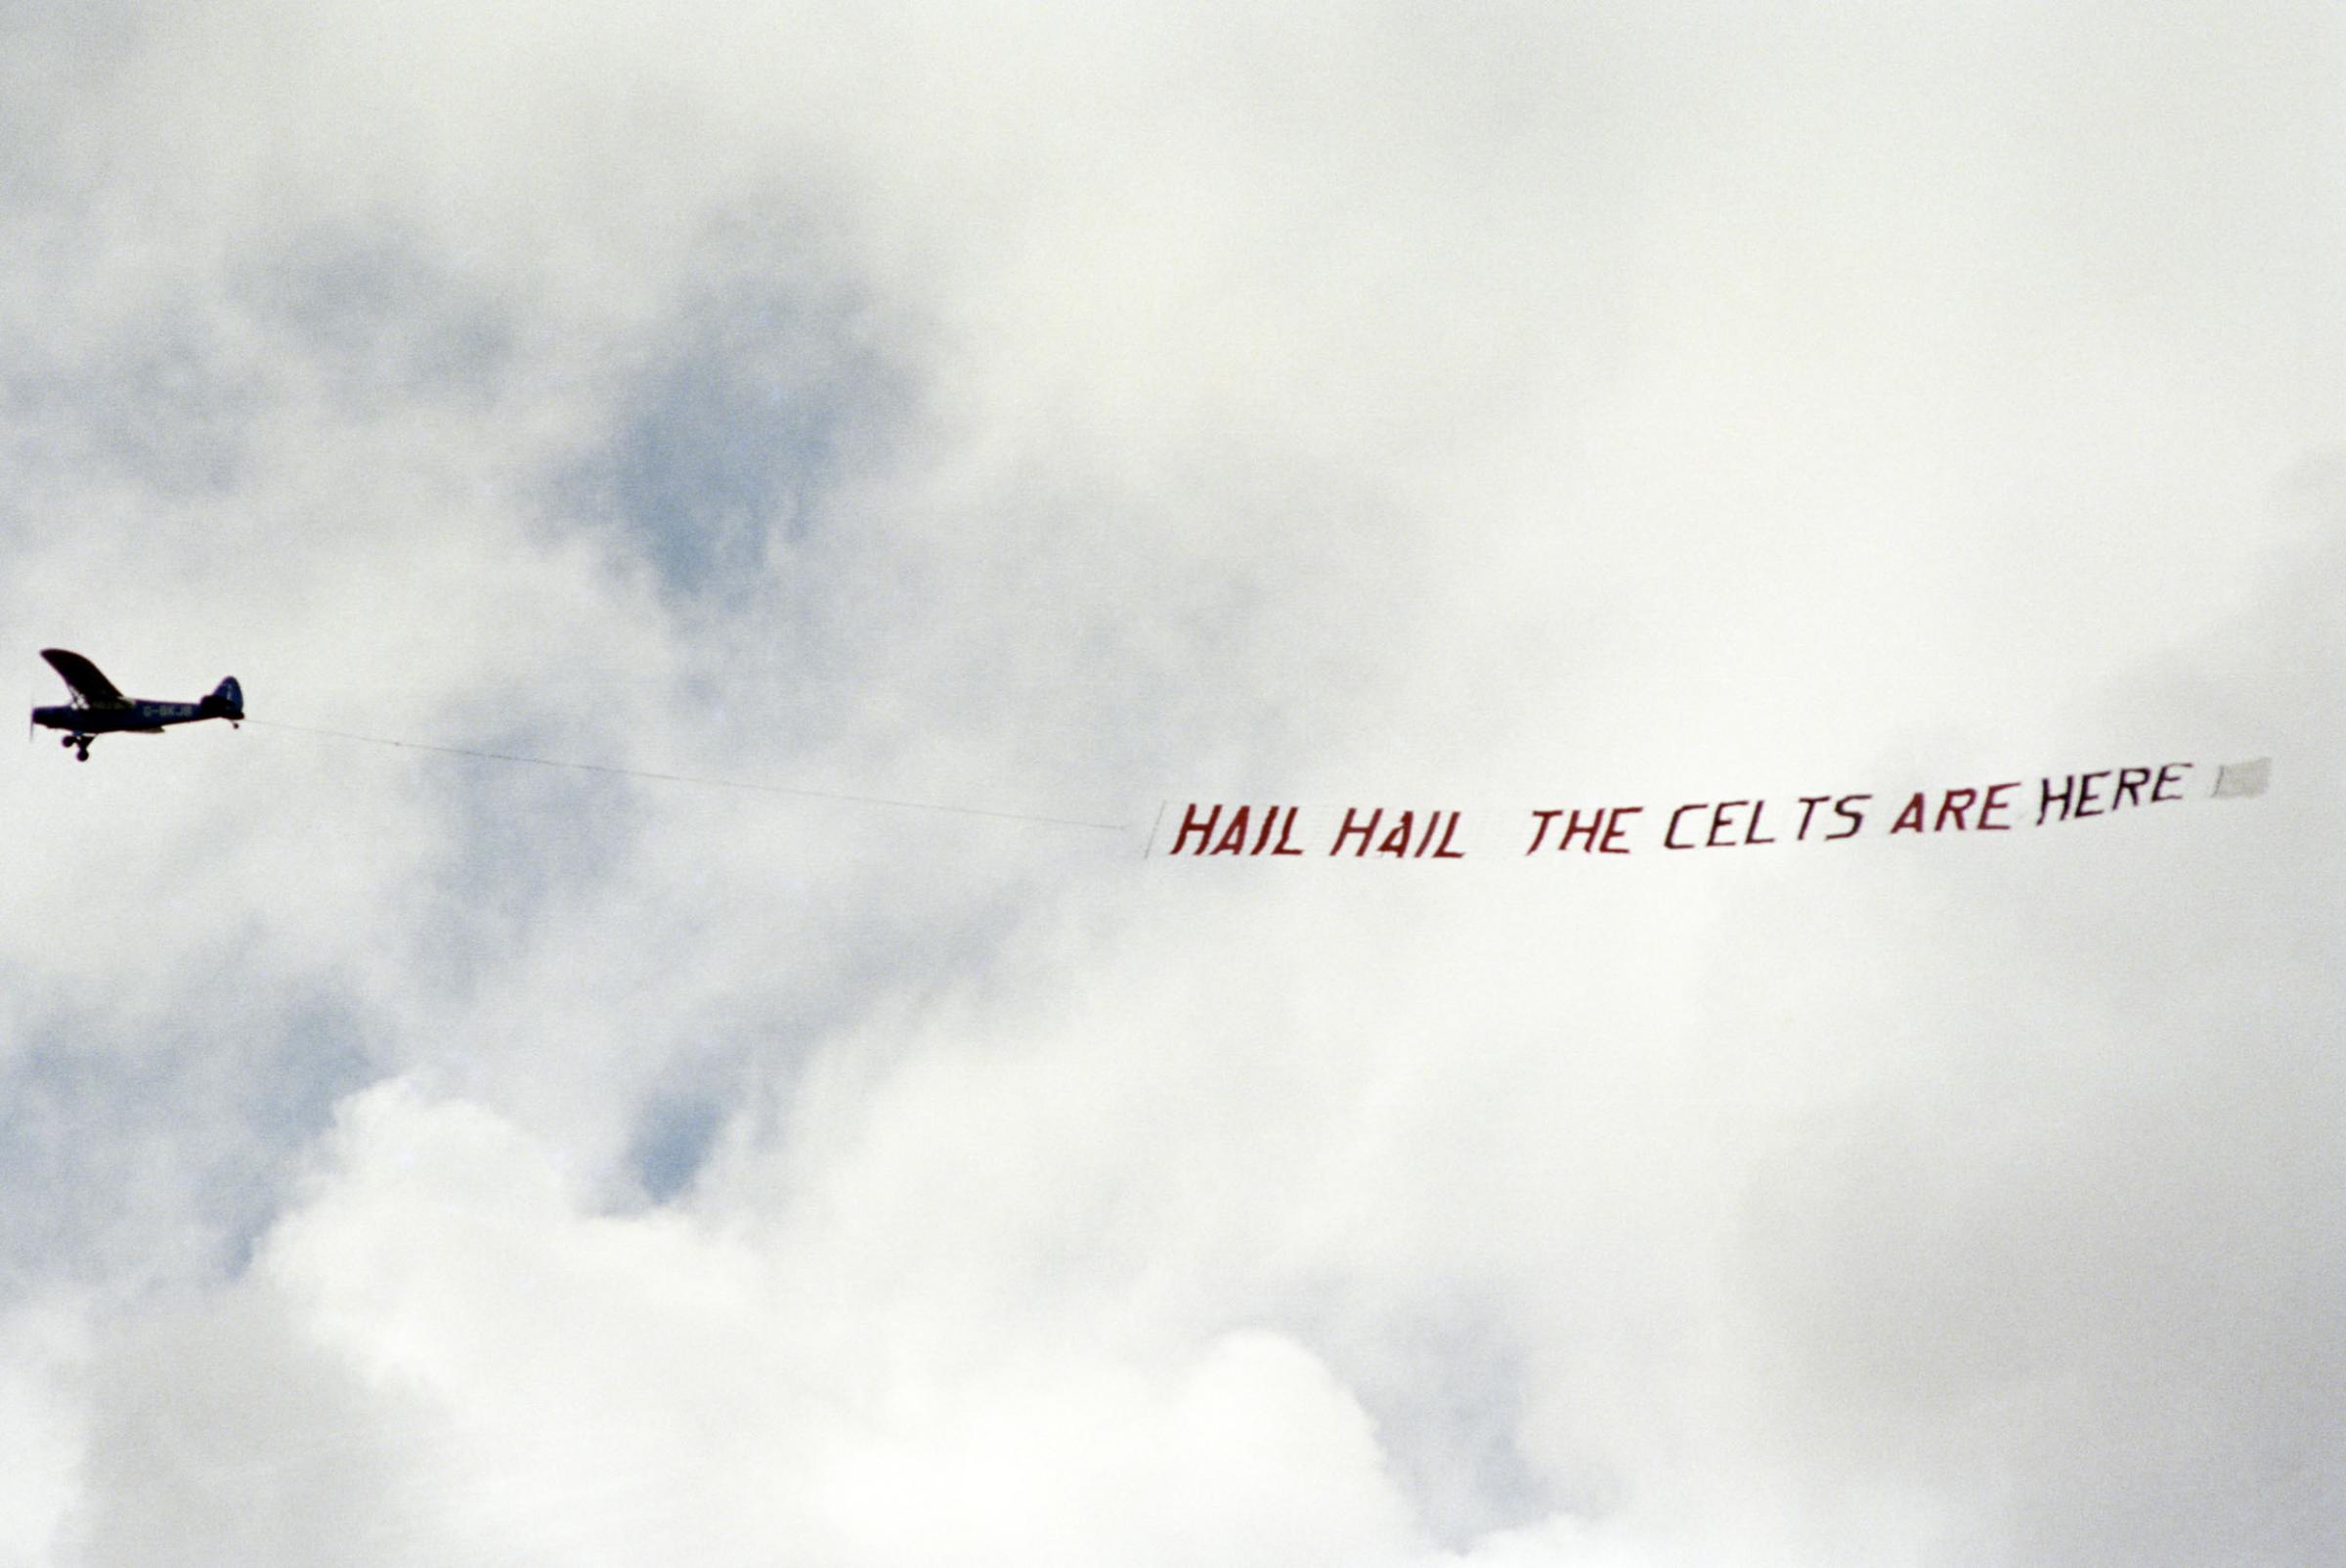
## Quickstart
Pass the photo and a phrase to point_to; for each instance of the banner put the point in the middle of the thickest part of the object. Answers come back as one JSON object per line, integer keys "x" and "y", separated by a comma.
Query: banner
{"x": 1205, "y": 830}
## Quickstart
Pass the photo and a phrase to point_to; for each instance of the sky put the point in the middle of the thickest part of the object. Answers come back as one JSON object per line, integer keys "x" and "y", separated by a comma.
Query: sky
{"x": 1083, "y": 412}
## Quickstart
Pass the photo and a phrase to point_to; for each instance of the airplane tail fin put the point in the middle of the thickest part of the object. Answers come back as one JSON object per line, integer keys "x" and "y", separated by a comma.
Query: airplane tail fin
{"x": 227, "y": 700}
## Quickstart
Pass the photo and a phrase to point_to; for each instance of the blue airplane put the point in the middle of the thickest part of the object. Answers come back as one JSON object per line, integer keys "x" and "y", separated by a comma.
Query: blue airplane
{"x": 99, "y": 706}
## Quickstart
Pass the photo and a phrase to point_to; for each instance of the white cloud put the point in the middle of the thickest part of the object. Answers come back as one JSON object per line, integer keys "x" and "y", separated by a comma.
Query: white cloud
{"x": 1031, "y": 409}
{"x": 612, "y": 1387}
{"x": 42, "y": 1342}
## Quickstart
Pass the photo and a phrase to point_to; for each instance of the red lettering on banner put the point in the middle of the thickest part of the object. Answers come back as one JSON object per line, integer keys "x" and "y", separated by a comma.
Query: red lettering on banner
{"x": 1598, "y": 831}
{"x": 1262, "y": 839}
{"x": 1443, "y": 850}
{"x": 1574, "y": 829}
{"x": 2085, "y": 793}
{"x": 1189, "y": 824}
{"x": 1213, "y": 829}
{"x": 1910, "y": 819}
{"x": 1397, "y": 842}
{"x": 1614, "y": 827}
{"x": 1287, "y": 825}
{"x": 1856, "y": 819}
{"x": 2080, "y": 794}
{"x": 1433, "y": 820}
{"x": 1233, "y": 837}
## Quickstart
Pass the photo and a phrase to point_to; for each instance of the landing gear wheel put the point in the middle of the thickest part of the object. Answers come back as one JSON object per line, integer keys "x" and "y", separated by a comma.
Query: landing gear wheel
{"x": 81, "y": 748}
{"x": 65, "y": 740}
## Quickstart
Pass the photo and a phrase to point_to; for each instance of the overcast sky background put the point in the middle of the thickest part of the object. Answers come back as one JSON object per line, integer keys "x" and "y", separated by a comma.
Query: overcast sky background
{"x": 1060, "y": 408}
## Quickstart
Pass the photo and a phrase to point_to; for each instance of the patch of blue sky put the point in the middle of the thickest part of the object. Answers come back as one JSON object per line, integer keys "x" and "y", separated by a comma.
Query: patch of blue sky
{"x": 1444, "y": 1379}
{"x": 735, "y": 1059}
{"x": 673, "y": 1139}
{"x": 721, "y": 453}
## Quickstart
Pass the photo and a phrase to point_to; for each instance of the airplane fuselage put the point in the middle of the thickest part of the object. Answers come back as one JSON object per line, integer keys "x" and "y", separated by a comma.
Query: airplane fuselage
{"x": 140, "y": 717}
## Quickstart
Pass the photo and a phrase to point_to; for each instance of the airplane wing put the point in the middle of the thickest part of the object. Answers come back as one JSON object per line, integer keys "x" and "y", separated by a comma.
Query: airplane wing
{"x": 91, "y": 689}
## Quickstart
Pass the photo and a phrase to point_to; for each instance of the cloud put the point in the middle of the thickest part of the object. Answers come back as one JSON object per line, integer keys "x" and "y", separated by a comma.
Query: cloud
{"x": 1034, "y": 412}
{"x": 495, "y": 1370}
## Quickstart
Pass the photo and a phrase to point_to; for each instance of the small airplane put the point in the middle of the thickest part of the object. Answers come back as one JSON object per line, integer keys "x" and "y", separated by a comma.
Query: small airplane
{"x": 99, "y": 706}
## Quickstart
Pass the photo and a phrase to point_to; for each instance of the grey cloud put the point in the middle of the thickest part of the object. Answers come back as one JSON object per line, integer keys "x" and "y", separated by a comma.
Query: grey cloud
{"x": 270, "y": 1448}
{"x": 142, "y": 1150}
{"x": 378, "y": 318}
{"x": 764, "y": 392}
